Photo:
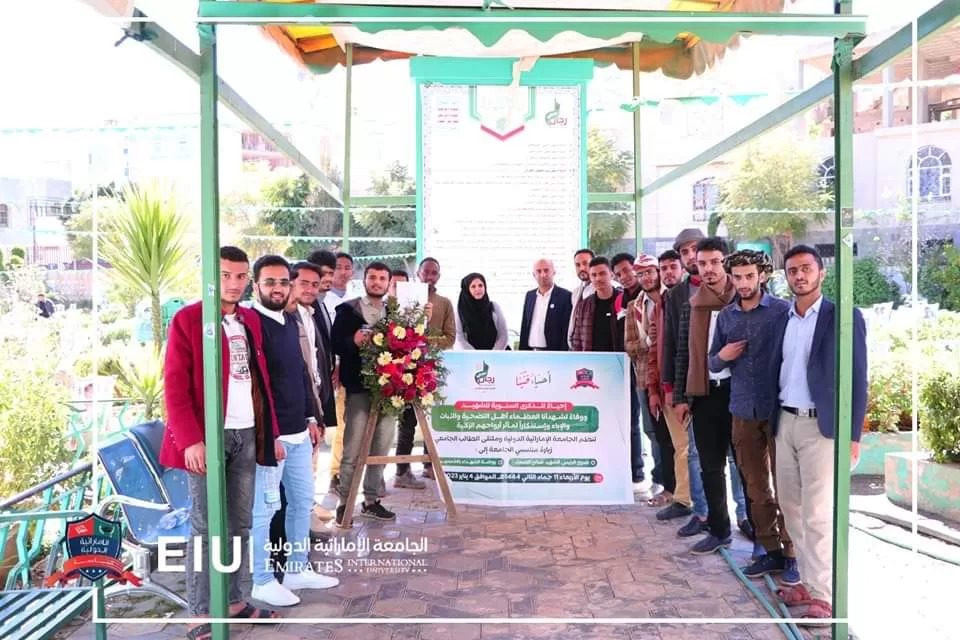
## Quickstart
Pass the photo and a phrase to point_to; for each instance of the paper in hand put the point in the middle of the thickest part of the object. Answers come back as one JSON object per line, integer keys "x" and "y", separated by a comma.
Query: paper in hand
{"x": 411, "y": 293}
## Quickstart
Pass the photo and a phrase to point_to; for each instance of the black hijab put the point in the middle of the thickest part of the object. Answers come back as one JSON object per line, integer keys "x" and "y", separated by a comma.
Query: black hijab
{"x": 476, "y": 316}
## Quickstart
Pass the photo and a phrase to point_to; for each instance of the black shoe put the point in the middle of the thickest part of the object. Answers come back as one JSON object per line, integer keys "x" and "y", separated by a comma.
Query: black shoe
{"x": 377, "y": 511}
{"x": 334, "y": 483}
{"x": 747, "y": 530}
{"x": 694, "y": 527}
{"x": 340, "y": 511}
{"x": 770, "y": 563}
{"x": 674, "y": 510}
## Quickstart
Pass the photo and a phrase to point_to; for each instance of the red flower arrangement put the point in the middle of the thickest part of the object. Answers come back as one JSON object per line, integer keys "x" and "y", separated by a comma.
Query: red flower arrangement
{"x": 400, "y": 364}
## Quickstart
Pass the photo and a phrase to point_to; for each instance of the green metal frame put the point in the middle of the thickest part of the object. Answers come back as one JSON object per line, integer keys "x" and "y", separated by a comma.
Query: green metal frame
{"x": 637, "y": 172}
{"x": 843, "y": 26}
{"x": 489, "y": 26}
{"x": 212, "y": 347}
{"x": 347, "y": 136}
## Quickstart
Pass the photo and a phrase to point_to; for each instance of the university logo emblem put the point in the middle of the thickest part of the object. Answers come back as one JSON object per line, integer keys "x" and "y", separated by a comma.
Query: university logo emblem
{"x": 482, "y": 377}
{"x": 584, "y": 379}
{"x": 93, "y": 552}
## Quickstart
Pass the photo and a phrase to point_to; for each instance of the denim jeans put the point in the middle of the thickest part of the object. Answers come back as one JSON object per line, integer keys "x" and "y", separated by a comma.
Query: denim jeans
{"x": 297, "y": 479}
{"x": 636, "y": 437}
{"x": 649, "y": 428}
{"x": 240, "y": 460}
{"x": 356, "y": 414}
{"x": 697, "y": 494}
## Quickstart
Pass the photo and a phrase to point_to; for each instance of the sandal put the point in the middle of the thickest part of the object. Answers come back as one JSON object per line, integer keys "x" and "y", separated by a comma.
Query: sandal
{"x": 660, "y": 500}
{"x": 200, "y": 632}
{"x": 795, "y": 596}
{"x": 251, "y": 612}
{"x": 816, "y": 612}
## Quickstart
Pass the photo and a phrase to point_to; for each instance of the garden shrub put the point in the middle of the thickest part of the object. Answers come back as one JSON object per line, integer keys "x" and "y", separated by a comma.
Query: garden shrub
{"x": 939, "y": 401}
{"x": 870, "y": 286}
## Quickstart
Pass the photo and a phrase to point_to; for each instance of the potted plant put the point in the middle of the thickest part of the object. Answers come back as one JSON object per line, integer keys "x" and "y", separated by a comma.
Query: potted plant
{"x": 888, "y": 423}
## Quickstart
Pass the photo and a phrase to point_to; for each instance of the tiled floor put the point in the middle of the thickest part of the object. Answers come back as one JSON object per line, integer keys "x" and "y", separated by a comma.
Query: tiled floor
{"x": 563, "y": 562}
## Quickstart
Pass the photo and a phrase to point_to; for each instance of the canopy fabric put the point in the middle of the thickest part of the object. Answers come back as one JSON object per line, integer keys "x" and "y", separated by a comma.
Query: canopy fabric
{"x": 320, "y": 48}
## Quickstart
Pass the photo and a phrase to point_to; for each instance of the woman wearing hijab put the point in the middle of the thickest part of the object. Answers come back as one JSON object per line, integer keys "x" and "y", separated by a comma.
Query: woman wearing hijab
{"x": 481, "y": 324}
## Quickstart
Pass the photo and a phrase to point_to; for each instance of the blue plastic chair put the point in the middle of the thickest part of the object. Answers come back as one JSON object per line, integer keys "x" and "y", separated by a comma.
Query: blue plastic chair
{"x": 154, "y": 499}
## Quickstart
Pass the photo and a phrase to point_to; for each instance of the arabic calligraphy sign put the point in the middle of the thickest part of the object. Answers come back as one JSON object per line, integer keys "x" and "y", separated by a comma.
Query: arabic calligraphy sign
{"x": 544, "y": 439}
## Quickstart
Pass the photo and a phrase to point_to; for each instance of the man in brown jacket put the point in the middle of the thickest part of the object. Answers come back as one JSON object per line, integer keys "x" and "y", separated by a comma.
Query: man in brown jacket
{"x": 640, "y": 312}
{"x": 442, "y": 327}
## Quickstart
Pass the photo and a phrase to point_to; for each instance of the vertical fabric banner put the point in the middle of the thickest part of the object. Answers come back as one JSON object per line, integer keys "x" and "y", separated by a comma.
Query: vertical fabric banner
{"x": 525, "y": 428}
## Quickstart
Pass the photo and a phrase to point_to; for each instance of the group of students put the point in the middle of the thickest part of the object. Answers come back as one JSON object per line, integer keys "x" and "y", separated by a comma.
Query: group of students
{"x": 722, "y": 364}
{"x": 291, "y": 367}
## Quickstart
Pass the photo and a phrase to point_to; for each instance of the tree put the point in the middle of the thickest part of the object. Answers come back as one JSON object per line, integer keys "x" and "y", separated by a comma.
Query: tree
{"x": 608, "y": 171}
{"x": 77, "y": 218}
{"x": 241, "y": 216}
{"x": 940, "y": 276}
{"x": 147, "y": 252}
{"x": 773, "y": 195}
{"x": 296, "y": 207}
{"x": 393, "y": 222}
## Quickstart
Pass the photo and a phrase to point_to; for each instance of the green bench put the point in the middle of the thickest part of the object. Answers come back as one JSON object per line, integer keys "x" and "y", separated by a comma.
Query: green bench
{"x": 37, "y": 614}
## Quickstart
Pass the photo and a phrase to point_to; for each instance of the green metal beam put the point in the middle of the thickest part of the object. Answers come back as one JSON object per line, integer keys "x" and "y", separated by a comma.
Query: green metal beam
{"x": 490, "y": 26}
{"x": 212, "y": 348}
{"x": 936, "y": 18}
{"x": 843, "y": 272}
{"x": 181, "y": 55}
{"x": 411, "y": 201}
{"x": 347, "y": 130}
{"x": 637, "y": 173}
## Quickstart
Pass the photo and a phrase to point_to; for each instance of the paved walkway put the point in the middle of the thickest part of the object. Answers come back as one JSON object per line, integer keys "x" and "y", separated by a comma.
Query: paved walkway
{"x": 560, "y": 562}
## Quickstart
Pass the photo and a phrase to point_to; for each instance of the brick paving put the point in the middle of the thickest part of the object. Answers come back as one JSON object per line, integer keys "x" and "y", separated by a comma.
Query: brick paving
{"x": 544, "y": 562}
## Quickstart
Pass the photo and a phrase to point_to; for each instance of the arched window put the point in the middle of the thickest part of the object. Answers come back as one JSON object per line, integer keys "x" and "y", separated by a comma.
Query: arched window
{"x": 706, "y": 194}
{"x": 934, "y": 173}
{"x": 825, "y": 174}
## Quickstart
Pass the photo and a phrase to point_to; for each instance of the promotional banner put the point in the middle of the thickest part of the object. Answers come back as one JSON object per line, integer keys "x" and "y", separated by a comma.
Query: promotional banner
{"x": 531, "y": 428}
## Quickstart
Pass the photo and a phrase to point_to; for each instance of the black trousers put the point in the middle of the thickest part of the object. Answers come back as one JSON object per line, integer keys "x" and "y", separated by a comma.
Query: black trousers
{"x": 406, "y": 430}
{"x": 712, "y": 432}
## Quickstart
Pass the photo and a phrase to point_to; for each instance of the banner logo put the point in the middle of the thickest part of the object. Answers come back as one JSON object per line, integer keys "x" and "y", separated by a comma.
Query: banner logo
{"x": 93, "y": 552}
{"x": 584, "y": 379}
{"x": 483, "y": 378}
{"x": 553, "y": 117}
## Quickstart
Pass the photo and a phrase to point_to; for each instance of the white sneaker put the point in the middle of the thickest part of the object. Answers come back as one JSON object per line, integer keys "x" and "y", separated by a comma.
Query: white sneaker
{"x": 656, "y": 489}
{"x": 642, "y": 491}
{"x": 308, "y": 579}
{"x": 274, "y": 594}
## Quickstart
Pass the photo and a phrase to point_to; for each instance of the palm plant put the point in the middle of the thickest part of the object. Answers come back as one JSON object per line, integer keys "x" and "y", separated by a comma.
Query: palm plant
{"x": 146, "y": 249}
{"x": 142, "y": 378}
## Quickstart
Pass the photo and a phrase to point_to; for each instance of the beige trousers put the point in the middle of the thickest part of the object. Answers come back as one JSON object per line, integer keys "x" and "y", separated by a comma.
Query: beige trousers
{"x": 337, "y": 454}
{"x": 804, "y": 471}
{"x": 681, "y": 442}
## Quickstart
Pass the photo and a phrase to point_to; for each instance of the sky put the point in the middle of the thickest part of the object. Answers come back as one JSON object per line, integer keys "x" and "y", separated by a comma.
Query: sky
{"x": 62, "y": 68}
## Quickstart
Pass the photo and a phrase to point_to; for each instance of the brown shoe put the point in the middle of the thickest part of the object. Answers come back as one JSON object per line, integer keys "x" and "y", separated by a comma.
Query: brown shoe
{"x": 408, "y": 481}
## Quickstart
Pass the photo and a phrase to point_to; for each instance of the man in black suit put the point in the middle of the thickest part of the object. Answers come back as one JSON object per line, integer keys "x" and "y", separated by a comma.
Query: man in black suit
{"x": 546, "y": 312}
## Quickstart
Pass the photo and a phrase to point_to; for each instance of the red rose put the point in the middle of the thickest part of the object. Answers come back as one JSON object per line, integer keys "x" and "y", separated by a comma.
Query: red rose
{"x": 388, "y": 391}
{"x": 431, "y": 386}
{"x": 410, "y": 394}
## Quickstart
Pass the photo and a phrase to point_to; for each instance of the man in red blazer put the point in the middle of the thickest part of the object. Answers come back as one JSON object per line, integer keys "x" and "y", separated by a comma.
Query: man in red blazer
{"x": 250, "y": 426}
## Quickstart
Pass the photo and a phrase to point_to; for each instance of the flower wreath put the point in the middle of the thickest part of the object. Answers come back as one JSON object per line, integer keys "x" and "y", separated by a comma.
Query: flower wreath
{"x": 400, "y": 365}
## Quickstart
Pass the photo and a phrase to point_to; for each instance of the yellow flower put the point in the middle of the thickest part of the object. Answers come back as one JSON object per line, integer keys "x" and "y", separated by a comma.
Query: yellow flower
{"x": 415, "y": 354}
{"x": 384, "y": 379}
{"x": 427, "y": 400}
{"x": 407, "y": 378}
{"x": 420, "y": 328}
{"x": 384, "y": 359}
{"x": 378, "y": 339}
{"x": 396, "y": 401}
{"x": 400, "y": 333}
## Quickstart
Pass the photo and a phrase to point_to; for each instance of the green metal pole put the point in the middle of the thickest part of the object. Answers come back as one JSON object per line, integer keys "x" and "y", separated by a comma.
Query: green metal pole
{"x": 637, "y": 188}
{"x": 843, "y": 226}
{"x": 347, "y": 125}
{"x": 100, "y": 628}
{"x": 212, "y": 351}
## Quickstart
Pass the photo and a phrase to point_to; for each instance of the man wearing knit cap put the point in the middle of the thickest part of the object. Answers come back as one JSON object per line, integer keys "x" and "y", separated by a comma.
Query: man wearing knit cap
{"x": 689, "y": 497}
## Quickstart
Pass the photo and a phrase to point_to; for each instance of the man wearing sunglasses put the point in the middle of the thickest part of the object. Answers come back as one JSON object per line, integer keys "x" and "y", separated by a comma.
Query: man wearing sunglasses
{"x": 296, "y": 410}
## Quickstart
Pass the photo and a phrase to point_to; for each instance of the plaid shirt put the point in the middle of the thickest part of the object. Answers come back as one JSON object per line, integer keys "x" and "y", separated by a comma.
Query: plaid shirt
{"x": 582, "y": 337}
{"x": 681, "y": 359}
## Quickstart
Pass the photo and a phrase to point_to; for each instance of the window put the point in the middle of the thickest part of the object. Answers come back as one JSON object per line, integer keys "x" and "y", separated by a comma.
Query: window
{"x": 4, "y": 216}
{"x": 934, "y": 173}
{"x": 705, "y": 197}
{"x": 825, "y": 174}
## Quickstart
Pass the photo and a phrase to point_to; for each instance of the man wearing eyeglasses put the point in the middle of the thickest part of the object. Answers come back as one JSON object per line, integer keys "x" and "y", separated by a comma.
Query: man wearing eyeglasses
{"x": 296, "y": 410}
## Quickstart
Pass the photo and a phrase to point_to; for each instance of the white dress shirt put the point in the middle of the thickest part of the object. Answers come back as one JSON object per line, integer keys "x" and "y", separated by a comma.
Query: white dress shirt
{"x": 538, "y": 321}
{"x": 797, "y": 343}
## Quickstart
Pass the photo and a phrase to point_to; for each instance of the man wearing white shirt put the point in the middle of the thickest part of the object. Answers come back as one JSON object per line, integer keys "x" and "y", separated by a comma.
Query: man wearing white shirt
{"x": 581, "y": 262}
{"x": 546, "y": 312}
{"x": 291, "y": 384}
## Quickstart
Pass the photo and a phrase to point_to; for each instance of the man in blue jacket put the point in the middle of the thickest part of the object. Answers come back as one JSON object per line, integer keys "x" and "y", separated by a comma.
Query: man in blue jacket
{"x": 802, "y": 422}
